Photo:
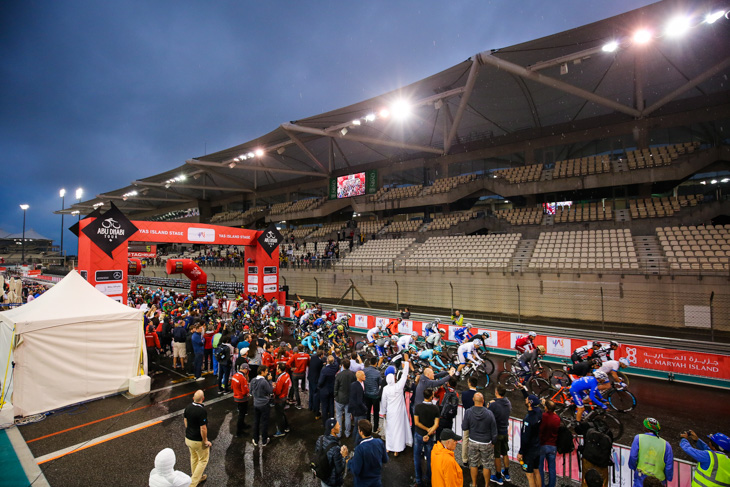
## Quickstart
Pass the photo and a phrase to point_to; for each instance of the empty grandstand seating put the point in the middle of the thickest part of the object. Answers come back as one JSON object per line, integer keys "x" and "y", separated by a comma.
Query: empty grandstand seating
{"x": 481, "y": 251}
{"x": 447, "y": 184}
{"x": 589, "y": 249}
{"x": 302, "y": 232}
{"x": 583, "y": 166}
{"x": 377, "y": 252}
{"x": 584, "y": 212}
{"x": 696, "y": 248}
{"x": 522, "y": 216}
{"x": 402, "y": 192}
{"x": 279, "y": 208}
{"x": 661, "y": 207}
{"x": 306, "y": 204}
{"x": 228, "y": 216}
{"x": 443, "y": 222}
{"x": 658, "y": 156}
{"x": 328, "y": 228}
{"x": 521, "y": 174}
{"x": 404, "y": 226}
{"x": 372, "y": 227}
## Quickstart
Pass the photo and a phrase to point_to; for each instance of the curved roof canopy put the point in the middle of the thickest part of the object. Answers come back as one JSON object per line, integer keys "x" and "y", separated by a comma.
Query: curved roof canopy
{"x": 584, "y": 77}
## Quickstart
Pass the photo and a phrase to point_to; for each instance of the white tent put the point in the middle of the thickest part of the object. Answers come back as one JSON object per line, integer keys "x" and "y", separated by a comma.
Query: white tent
{"x": 72, "y": 344}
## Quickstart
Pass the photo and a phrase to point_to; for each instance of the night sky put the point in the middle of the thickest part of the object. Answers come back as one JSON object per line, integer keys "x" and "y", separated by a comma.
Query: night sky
{"x": 95, "y": 94}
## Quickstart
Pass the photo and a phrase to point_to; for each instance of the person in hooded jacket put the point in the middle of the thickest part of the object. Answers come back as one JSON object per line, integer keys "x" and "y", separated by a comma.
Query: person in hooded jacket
{"x": 482, "y": 427}
{"x": 164, "y": 473}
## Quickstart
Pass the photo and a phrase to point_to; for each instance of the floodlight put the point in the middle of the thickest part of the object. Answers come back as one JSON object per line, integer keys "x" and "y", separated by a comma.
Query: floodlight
{"x": 724, "y": 180}
{"x": 642, "y": 36}
{"x": 370, "y": 117}
{"x": 703, "y": 183}
{"x": 356, "y": 121}
{"x": 610, "y": 46}
{"x": 401, "y": 109}
{"x": 343, "y": 132}
{"x": 62, "y": 193}
{"x": 183, "y": 177}
{"x": 384, "y": 113}
{"x": 714, "y": 181}
{"x": 281, "y": 150}
{"x": 678, "y": 26}
{"x": 24, "y": 207}
{"x": 250, "y": 155}
{"x": 714, "y": 16}
{"x": 259, "y": 152}
{"x": 79, "y": 193}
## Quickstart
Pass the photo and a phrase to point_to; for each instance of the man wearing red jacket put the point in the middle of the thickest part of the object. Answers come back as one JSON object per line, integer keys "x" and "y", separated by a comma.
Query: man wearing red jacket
{"x": 152, "y": 341}
{"x": 298, "y": 364}
{"x": 393, "y": 326}
{"x": 267, "y": 358}
{"x": 281, "y": 391}
{"x": 239, "y": 384}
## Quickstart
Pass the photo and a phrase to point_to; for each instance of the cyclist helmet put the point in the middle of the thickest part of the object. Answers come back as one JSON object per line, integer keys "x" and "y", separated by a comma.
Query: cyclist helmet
{"x": 597, "y": 344}
{"x": 624, "y": 361}
{"x": 477, "y": 343}
{"x": 437, "y": 349}
{"x": 414, "y": 334}
{"x": 443, "y": 332}
{"x": 349, "y": 316}
{"x": 532, "y": 334}
{"x": 541, "y": 350}
{"x": 614, "y": 344}
{"x": 394, "y": 338}
{"x": 485, "y": 334}
{"x": 600, "y": 376}
{"x": 437, "y": 321}
{"x": 596, "y": 362}
{"x": 652, "y": 424}
{"x": 340, "y": 327}
{"x": 334, "y": 310}
{"x": 721, "y": 440}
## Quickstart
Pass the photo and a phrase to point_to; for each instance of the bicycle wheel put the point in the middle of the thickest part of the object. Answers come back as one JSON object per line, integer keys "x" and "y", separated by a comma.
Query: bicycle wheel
{"x": 481, "y": 377}
{"x": 558, "y": 379}
{"x": 487, "y": 366}
{"x": 508, "y": 363}
{"x": 545, "y": 372}
{"x": 610, "y": 421}
{"x": 359, "y": 345}
{"x": 624, "y": 377}
{"x": 621, "y": 400}
{"x": 508, "y": 380}
{"x": 538, "y": 386}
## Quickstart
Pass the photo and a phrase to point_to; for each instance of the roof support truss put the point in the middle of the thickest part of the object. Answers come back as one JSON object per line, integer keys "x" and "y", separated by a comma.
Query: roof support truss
{"x": 468, "y": 88}
{"x": 193, "y": 186}
{"x": 196, "y": 162}
{"x": 304, "y": 149}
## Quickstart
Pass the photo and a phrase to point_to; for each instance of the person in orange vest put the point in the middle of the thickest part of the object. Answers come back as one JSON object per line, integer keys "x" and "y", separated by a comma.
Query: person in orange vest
{"x": 393, "y": 326}
{"x": 152, "y": 341}
{"x": 445, "y": 472}
{"x": 298, "y": 363}
{"x": 239, "y": 384}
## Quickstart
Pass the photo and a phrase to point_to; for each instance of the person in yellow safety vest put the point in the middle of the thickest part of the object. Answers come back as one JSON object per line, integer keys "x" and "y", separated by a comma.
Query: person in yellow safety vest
{"x": 713, "y": 464}
{"x": 651, "y": 456}
{"x": 457, "y": 318}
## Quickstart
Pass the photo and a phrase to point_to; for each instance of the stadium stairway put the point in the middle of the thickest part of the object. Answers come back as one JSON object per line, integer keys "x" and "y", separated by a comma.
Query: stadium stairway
{"x": 400, "y": 260}
{"x": 649, "y": 253}
{"x": 523, "y": 254}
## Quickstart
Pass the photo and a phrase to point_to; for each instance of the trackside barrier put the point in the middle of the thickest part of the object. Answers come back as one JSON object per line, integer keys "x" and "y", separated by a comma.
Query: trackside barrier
{"x": 656, "y": 362}
{"x": 567, "y": 465}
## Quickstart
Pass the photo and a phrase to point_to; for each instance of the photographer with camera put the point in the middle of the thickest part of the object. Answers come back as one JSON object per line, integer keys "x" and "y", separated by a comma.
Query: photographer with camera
{"x": 713, "y": 464}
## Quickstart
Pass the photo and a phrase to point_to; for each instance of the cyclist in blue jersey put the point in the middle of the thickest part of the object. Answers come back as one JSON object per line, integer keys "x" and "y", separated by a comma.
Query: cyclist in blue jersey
{"x": 463, "y": 334}
{"x": 373, "y": 334}
{"x": 432, "y": 356}
{"x": 432, "y": 327}
{"x": 311, "y": 342}
{"x": 590, "y": 385}
{"x": 318, "y": 322}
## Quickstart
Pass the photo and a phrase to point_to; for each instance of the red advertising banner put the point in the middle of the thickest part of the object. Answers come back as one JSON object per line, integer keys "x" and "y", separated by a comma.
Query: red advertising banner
{"x": 659, "y": 359}
{"x": 178, "y": 232}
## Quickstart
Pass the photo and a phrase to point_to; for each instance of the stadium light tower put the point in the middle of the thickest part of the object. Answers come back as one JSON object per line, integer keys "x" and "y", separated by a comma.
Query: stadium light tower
{"x": 62, "y": 194}
{"x": 24, "y": 208}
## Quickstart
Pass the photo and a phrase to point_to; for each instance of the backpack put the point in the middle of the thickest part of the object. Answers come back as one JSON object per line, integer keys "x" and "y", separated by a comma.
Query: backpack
{"x": 449, "y": 405}
{"x": 320, "y": 465}
{"x": 597, "y": 448}
{"x": 222, "y": 353}
{"x": 565, "y": 440}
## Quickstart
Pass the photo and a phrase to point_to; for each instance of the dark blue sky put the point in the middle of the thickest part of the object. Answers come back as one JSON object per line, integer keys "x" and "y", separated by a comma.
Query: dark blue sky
{"x": 95, "y": 94}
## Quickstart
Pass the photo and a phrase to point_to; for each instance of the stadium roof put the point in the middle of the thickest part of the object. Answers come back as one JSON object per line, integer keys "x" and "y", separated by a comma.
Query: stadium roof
{"x": 30, "y": 234}
{"x": 567, "y": 81}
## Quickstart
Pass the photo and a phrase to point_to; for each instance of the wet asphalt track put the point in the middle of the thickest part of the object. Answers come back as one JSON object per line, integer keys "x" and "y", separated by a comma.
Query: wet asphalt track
{"x": 127, "y": 460}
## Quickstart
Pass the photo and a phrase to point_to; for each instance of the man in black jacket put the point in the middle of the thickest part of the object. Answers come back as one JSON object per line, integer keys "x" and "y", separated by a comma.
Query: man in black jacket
{"x": 329, "y": 442}
{"x": 315, "y": 367}
{"x": 342, "y": 397}
{"x": 357, "y": 406}
{"x": 428, "y": 381}
{"x": 326, "y": 386}
{"x": 530, "y": 440}
{"x": 373, "y": 383}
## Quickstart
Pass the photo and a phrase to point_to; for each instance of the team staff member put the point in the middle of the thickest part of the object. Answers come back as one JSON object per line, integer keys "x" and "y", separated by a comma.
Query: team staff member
{"x": 281, "y": 392}
{"x": 445, "y": 472}
{"x": 298, "y": 364}
{"x": 651, "y": 455}
{"x": 196, "y": 437}
{"x": 713, "y": 469}
{"x": 152, "y": 340}
{"x": 239, "y": 384}
{"x": 261, "y": 391}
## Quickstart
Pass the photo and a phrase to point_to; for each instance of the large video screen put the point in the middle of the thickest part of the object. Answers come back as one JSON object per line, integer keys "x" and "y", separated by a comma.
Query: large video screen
{"x": 550, "y": 208}
{"x": 352, "y": 185}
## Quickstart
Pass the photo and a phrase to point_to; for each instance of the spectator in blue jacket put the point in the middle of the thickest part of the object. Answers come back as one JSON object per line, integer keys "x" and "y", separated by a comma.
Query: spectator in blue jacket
{"x": 199, "y": 351}
{"x": 367, "y": 461}
{"x": 530, "y": 440}
{"x": 326, "y": 387}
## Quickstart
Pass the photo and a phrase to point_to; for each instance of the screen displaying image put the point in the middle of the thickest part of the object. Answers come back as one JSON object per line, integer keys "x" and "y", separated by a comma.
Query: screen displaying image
{"x": 550, "y": 208}
{"x": 352, "y": 185}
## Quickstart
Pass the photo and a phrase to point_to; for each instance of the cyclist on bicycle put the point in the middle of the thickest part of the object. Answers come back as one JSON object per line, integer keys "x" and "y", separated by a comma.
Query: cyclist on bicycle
{"x": 406, "y": 340}
{"x": 318, "y": 322}
{"x": 483, "y": 336}
{"x": 393, "y": 326}
{"x": 606, "y": 351}
{"x": 432, "y": 327}
{"x": 529, "y": 364}
{"x": 526, "y": 343}
{"x": 463, "y": 334}
{"x": 432, "y": 356}
{"x": 467, "y": 352}
{"x": 457, "y": 318}
{"x": 311, "y": 341}
{"x": 380, "y": 345}
{"x": 434, "y": 339}
{"x": 373, "y": 334}
{"x": 590, "y": 386}
{"x": 584, "y": 353}
{"x": 611, "y": 367}
{"x": 582, "y": 369}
